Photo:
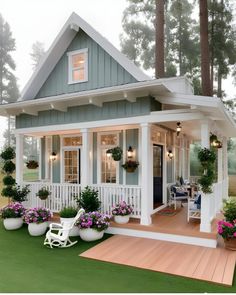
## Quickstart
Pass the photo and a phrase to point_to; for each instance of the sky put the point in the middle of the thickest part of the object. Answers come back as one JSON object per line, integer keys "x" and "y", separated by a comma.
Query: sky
{"x": 41, "y": 20}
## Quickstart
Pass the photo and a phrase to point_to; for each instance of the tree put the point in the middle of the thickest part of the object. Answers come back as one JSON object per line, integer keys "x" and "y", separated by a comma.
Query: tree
{"x": 204, "y": 45}
{"x": 8, "y": 84}
{"x": 37, "y": 53}
{"x": 222, "y": 41}
{"x": 159, "y": 46}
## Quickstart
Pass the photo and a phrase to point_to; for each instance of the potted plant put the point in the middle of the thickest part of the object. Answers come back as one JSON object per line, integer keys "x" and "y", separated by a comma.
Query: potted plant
{"x": 8, "y": 154}
{"x": 116, "y": 153}
{"x": 37, "y": 220}
{"x": 43, "y": 193}
{"x": 122, "y": 212}
{"x": 92, "y": 225}
{"x": 12, "y": 216}
{"x": 32, "y": 164}
{"x": 130, "y": 166}
{"x": 88, "y": 200}
{"x": 227, "y": 227}
{"x": 67, "y": 214}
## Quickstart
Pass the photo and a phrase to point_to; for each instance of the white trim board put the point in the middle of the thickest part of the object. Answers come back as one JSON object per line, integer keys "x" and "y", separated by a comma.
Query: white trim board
{"x": 211, "y": 243}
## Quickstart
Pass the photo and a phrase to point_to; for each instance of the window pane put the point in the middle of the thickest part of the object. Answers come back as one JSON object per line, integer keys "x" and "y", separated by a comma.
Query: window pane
{"x": 108, "y": 173}
{"x": 72, "y": 141}
{"x": 109, "y": 139}
{"x": 78, "y": 60}
{"x": 78, "y": 75}
{"x": 71, "y": 166}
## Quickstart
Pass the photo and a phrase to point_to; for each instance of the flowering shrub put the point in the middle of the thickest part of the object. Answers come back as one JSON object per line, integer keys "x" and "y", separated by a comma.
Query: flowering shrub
{"x": 37, "y": 215}
{"x": 227, "y": 229}
{"x": 94, "y": 220}
{"x": 13, "y": 210}
{"x": 122, "y": 209}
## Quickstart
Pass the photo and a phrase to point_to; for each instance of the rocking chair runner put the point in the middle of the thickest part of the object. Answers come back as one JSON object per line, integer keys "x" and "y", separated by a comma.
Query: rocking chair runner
{"x": 58, "y": 234}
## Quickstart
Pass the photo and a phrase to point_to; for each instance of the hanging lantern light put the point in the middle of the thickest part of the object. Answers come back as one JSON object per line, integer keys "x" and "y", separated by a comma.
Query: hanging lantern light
{"x": 178, "y": 128}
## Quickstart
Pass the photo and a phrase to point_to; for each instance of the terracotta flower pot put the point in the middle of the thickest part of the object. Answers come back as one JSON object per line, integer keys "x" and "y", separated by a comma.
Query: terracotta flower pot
{"x": 230, "y": 244}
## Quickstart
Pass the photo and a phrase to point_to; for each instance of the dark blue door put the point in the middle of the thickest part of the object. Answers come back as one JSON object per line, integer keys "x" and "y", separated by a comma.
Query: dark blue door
{"x": 157, "y": 176}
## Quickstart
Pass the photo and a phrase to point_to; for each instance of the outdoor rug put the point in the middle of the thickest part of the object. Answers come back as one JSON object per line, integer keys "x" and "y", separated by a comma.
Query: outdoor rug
{"x": 214, "y": 265}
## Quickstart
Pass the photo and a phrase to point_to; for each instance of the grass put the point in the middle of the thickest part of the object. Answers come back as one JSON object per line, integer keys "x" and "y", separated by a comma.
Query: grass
{"x": 28, "y": 266}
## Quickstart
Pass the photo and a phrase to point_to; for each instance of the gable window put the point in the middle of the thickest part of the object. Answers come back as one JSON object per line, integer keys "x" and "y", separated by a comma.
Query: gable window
{"x": 78, "y": 66}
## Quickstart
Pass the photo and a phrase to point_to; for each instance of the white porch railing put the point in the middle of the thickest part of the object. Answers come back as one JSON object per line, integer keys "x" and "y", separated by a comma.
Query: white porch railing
{"x": 63, "y": 195}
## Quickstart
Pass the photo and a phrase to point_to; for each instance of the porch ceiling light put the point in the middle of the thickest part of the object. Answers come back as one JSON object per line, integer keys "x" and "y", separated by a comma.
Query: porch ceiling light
{"x": 109, "y": 153}
{"x": 178, "y": 128}
{"x": 53, "y": 156}
{"x": 130, "y": 152}
{"x": 170, "y": 154}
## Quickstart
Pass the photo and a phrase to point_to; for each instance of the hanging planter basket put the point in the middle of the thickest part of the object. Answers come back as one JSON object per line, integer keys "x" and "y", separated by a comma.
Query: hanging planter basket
{"x": 130, "y": 166}
{"x": 32, "y": 164}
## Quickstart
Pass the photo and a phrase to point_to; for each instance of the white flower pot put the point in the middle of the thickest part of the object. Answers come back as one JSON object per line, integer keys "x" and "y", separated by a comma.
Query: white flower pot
{"x": 90, "y": 234}
{"x": 74, "y": 232}
{"x": 37, "y": 229}
{"x": 121, "y": 219}
{"x": 13, "y": 223}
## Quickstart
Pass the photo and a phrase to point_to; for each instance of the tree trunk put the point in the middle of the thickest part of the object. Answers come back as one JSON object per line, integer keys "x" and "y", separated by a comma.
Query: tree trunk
{"x": 205, "y": 60}
{"x": 159, "y": 48}
{"x": 219, "y": 84}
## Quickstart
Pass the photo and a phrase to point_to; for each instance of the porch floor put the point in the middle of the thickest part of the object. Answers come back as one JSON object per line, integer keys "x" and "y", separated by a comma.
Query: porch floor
{"x": 176, "y": 224}
{"x": 202, "y": 263}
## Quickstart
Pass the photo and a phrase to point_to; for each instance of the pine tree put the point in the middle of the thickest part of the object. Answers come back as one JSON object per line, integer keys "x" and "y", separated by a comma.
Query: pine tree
{"x": 37, "y": 53}
{"x": 222, "y": 41}
{"x": 8, "y": 84}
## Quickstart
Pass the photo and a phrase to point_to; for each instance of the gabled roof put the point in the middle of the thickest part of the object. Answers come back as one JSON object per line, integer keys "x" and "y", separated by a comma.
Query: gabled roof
{"x": 59, "y": 46}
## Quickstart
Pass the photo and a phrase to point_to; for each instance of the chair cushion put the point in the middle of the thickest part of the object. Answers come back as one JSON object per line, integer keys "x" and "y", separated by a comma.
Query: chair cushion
{"x": 198, "y": 201}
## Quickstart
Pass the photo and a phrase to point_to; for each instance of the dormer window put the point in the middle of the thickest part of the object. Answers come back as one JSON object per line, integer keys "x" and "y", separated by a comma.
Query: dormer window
{"x": 78, "y": 66}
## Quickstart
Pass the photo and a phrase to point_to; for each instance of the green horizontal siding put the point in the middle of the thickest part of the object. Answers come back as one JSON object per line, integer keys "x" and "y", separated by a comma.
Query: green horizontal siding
{"x": 103, "y": 70}
{"x": 86, "y": 113}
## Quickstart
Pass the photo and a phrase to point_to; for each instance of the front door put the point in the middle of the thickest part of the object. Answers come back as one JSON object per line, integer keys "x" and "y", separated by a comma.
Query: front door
{"x": 72, "y": 166}
{"x": 157, "y": 176}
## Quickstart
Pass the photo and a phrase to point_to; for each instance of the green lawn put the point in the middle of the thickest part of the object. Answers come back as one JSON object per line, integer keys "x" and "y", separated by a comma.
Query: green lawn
{"x": 28, "y": 266}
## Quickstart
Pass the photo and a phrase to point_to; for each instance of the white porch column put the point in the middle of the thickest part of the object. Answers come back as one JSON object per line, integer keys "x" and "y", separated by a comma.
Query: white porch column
{"x": 205, "y": 225}
{"x": 219, "y": 165}
{"x": 146, "y": 180}
{"x": 225, "y": 168}
{"x": 19, "y": 158}
{"x": 85, "y": 158}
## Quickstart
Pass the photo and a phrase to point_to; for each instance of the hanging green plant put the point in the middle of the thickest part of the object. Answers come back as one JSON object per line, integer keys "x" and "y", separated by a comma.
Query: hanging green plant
{"x": 207, "y": 157}
{"x": 130, "y": 166}
{"x": 32, "y": 164}
{"x": 116, "y": 153}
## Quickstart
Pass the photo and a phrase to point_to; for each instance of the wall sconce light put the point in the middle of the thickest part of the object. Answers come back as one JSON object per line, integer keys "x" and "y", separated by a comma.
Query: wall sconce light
{"x": 170, "y": 154}
{"x": 178, "y": 128}
{"x": 53, "y": 156}
{"x": 109, "y": 153}
{"x": 130, "y": 152}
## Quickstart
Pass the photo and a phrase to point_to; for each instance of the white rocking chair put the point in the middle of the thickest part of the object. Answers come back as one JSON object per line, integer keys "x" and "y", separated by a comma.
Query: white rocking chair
{"x": 58, "y": 233}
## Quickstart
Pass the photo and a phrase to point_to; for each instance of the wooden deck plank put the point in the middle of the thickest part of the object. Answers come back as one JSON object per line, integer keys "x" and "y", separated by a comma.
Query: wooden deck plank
{"x": 229, "y": 269}
{"x": 207, "y": 264}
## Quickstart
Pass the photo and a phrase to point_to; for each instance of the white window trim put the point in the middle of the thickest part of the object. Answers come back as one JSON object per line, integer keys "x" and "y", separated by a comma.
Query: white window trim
{"x": 70, "y": 54}
{"x": 99, "y": 157}
{"x": 68, "y": 148}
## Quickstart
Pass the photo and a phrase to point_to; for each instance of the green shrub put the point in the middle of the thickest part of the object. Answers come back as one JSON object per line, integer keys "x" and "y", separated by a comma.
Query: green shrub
{"x": 68, "y": 212}
{"x": 8, "y": 180}
{"x": 8, "y": 154}
{"x": 8, "y": 191}
{"x": 229, "y": 210}
{"x": 88, "y": 200}
{"x": 9, "y": 167}
{"x": 20, "y": 194}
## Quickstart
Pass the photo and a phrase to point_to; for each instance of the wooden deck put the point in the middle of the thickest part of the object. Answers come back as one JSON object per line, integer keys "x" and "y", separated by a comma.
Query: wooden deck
{"x": 207, "y": 264}
{"x": 176, "y": 224}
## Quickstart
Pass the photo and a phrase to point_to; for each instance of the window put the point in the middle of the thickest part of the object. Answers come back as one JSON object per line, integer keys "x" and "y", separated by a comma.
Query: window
{"x": 108, "y": 169}
{"x": 71, "y": 158}
{"x": 78, "y": 66}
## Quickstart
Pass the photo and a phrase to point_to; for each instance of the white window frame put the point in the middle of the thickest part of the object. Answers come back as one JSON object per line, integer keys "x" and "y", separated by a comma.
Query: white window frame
{"x": 69, "y": 148}
{"x": 99, "y": 157}
{"x": 70, "y": 68}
